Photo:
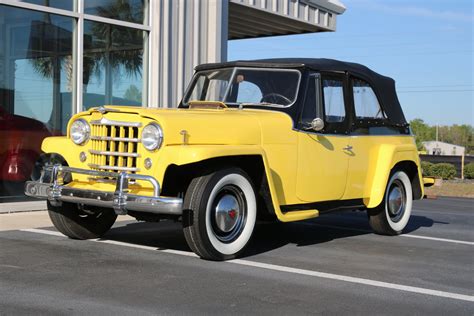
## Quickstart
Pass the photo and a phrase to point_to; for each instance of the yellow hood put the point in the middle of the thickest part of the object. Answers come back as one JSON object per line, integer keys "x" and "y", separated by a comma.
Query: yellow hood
{"x": 202, "y": 126}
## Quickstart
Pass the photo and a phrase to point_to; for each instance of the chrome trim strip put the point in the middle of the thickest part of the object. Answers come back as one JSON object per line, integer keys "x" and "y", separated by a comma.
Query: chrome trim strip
{"x": 117, "y": 139}
{"x": 105, "y": 121}
{"x": 113, "y": 153}
{"x": 107, "y": 167}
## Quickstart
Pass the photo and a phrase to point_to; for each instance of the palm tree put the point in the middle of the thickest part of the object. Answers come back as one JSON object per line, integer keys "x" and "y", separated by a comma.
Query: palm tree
{"x": 123, "y": 49}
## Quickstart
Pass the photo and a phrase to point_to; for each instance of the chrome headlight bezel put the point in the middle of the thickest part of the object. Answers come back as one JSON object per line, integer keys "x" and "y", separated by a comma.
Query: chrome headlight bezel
{"x": 152, "y": 136}
{"x": 79, "y": 132}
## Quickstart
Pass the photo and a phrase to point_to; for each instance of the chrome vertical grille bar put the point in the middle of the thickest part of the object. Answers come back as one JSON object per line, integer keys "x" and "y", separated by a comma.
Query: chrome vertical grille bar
{"x": 114, "y": 145}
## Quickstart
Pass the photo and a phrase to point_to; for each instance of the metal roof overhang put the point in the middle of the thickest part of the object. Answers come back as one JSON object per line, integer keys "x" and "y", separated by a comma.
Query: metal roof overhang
{"x": 260, "y": 18}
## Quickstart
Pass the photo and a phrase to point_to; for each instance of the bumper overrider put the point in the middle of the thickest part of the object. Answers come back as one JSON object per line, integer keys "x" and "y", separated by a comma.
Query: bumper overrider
{"x": 119, "y": 200}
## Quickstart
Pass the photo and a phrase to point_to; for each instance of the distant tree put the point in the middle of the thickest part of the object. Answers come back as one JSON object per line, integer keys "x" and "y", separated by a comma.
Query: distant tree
{"x": 422, "y": 131}
{"x": 462, "y": 135}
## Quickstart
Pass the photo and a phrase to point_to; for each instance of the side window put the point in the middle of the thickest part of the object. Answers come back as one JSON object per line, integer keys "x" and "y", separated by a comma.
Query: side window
{"x": 333, "y": 95}
{"x": 365, "y": 101}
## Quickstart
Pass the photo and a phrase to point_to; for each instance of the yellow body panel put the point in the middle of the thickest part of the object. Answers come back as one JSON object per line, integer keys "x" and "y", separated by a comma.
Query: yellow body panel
{"x": 370, "y": 163}
{"x": 322, "y": 167}
{"x": 300, "y": 167}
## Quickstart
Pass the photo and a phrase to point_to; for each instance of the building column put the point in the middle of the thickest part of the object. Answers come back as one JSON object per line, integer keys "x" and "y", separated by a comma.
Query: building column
{"x": 183, "y": 35}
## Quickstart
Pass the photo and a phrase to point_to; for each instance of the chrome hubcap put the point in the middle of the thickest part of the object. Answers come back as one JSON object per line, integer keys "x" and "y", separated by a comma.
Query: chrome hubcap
{"x": 229, "y": 214}
{"x": 396, "y": 201}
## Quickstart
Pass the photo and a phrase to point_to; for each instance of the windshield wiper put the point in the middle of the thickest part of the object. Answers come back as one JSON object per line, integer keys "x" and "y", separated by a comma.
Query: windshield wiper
{"x": 242, "y": 104}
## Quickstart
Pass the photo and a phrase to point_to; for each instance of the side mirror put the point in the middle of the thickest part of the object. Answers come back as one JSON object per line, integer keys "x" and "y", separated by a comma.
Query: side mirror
{"x": 317, "y": 124}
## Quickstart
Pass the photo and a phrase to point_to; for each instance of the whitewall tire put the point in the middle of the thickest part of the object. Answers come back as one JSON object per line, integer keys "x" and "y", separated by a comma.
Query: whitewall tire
{"x": 220, "y": 211}
{"x": 393, "y": 214}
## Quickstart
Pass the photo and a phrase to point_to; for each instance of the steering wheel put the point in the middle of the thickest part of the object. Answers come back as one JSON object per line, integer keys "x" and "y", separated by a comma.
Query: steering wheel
{"x": 274, "y": 97}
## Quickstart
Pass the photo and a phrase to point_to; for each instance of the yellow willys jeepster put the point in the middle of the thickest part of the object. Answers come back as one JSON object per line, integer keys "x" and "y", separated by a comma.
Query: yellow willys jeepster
{"x": 288, "y": 139}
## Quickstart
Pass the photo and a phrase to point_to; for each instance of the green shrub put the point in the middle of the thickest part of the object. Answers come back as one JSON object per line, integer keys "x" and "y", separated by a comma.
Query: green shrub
{"x": 426, "y": 167}
{"x": 469, "y": 170}
{"x": 443, "y": 170}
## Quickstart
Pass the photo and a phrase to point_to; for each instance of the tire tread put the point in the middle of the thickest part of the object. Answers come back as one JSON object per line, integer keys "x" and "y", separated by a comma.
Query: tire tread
{"x": 67, "y": 221}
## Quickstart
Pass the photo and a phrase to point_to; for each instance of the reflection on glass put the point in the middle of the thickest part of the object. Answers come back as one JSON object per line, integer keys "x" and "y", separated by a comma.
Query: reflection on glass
{"x": 58, "y": 4}
{"x": 35, "y": 90}
{"x": 123, "y": 10}
{"x": 113, "y": 59}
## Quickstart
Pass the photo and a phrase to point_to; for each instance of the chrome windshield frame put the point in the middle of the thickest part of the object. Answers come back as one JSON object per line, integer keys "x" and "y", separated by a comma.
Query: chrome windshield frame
{"x": 234, "y": 70}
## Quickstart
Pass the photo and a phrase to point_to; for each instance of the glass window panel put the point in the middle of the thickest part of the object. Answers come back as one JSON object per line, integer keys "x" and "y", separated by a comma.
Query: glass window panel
{"x": 333, "y": 94}
{"x": 58, "y": 4}
{"x": 113, "y": 60}
{"x": 278, "y": 87}
{"x": 210, "y": 85}
{"x": 253, "y": 86}
{"x": 35, "y": 90}
{"x": 123, "y": 10}
{"x": 365, "y": 101}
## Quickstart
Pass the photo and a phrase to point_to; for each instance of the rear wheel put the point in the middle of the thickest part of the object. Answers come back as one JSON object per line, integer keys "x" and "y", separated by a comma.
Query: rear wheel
{"x": 76, "y": 223}
{"x": 392, "y": 215}
{"x": 219, "y": 214}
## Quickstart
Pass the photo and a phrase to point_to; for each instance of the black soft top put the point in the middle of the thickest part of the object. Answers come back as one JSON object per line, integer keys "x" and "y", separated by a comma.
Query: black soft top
{"x": 384, "y": 87}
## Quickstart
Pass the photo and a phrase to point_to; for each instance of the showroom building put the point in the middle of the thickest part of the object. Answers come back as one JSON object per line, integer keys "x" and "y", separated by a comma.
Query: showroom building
{"x": 60, "y": 57}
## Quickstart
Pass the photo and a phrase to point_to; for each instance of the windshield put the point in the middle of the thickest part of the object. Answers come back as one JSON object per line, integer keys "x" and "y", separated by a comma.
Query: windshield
{"x": 247, "y": 86}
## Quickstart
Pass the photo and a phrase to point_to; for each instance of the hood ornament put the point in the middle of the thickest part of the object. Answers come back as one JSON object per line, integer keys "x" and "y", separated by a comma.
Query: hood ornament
{"x": 185, "y": 135}
{"x": 102, "y": 109}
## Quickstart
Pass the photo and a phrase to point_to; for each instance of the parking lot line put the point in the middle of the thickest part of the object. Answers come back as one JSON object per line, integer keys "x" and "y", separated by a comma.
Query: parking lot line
{"x": 113, "y": 242}
{"x": 439, "y": 239}
{"x": 455, "y": 241}
{"x": 387, "y": 285}
{"x": 273, "y": 267}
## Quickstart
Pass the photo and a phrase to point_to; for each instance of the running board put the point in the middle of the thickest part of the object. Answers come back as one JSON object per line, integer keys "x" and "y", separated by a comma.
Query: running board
{"x": 299, "y": 215}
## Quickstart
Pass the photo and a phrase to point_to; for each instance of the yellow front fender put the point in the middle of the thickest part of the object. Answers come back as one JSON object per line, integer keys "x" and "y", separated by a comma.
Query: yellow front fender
{"x": 62, "y": 145}
{"x": 186, "y": 154}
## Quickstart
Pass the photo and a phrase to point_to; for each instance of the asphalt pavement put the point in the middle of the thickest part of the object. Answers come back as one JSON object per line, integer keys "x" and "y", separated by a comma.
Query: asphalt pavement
{"x": 330, "y": 265}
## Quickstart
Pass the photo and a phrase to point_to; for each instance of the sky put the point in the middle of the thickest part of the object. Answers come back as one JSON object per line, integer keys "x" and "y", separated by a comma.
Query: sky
{"x": 425, "y": 45}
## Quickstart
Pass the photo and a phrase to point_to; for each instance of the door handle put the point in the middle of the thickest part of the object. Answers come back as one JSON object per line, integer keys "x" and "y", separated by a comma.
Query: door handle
{"x": 348, "y": 148}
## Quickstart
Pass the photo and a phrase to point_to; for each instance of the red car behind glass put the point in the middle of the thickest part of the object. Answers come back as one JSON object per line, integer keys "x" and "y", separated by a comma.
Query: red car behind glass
{"x": 20, "y": 145}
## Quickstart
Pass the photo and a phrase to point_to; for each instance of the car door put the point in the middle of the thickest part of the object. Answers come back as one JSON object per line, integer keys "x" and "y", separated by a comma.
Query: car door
{"x": 369, "y": 131}
{"x": 323, "y": 155}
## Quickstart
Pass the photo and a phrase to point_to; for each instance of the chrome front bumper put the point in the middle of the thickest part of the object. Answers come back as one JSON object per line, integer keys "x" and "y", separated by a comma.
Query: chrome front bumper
{"x": 119, "y": 200}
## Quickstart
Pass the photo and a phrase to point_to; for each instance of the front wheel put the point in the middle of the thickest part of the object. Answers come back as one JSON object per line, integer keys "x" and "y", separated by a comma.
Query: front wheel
{"x": 392, "y": 215}
{"x": 77, "y": 223}
{"x": 220, "y": 211}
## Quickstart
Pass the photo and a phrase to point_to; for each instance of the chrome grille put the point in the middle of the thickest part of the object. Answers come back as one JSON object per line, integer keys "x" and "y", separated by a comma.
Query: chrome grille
{"x": 114, "y": 145}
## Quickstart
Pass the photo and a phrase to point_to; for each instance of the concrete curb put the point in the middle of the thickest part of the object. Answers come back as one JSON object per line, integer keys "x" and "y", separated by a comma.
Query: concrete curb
{"x": 15, "y": 207}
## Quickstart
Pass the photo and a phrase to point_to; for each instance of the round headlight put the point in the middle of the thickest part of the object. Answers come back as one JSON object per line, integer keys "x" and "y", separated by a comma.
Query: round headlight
{"x": 152, "y": 136}
{"x": 80, "y": 131}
